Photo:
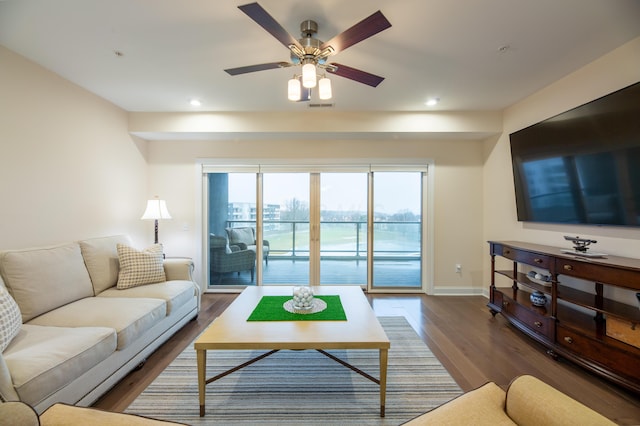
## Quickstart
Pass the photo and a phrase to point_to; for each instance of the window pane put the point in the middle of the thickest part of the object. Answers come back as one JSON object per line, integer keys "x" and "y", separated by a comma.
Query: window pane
{"x": 286, "y": 227}
{"x": 396, "y": 229}
{"x": 231, "y": 205}
{"x": 343, "y": 228}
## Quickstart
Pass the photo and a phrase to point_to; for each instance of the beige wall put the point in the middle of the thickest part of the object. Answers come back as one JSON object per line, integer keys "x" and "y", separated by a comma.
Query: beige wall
{"x": 613, "y": 71}
{"x": 457, "y": 192}
{"x": 68, "y": 167}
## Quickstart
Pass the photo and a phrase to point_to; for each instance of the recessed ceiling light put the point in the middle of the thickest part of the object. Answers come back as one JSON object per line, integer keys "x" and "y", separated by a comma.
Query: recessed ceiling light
{"x": 432, "y": 101}
{"x": 195, "y": 102}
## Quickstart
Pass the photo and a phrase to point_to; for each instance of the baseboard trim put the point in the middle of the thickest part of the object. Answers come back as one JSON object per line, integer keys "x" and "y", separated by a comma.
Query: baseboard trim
{"x": 459, "y": 291}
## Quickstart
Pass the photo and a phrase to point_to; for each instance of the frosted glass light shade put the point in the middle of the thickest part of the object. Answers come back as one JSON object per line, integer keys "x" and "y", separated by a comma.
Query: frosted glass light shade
{"x": 309, "y": 75}
{"x": 324, "y": 88}
{"x": 156, "y": 209}
{"x": 293, "y": 90}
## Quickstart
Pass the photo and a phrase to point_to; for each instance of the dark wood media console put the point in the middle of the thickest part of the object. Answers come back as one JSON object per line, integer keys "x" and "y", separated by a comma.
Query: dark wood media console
{"x": 573, "y": 323}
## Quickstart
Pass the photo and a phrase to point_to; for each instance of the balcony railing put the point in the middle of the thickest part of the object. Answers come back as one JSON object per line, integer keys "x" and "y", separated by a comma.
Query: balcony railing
{"x": 340, "y": 239}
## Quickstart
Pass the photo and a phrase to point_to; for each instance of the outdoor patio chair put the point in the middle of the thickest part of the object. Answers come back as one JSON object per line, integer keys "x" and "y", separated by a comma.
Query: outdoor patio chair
{"x": 245, "y": 238}
{"x": 225, "y": 258}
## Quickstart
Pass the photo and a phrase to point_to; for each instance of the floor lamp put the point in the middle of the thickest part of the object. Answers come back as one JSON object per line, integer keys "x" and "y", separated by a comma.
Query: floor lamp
{"x": 156, "y": 210}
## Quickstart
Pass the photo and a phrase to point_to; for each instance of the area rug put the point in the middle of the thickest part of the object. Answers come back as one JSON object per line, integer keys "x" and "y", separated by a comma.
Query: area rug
{"x": 303, "y": 387}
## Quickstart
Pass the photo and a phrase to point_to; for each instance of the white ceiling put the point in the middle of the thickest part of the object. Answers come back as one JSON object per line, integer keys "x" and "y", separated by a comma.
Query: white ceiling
{"x": 174, "y": 50}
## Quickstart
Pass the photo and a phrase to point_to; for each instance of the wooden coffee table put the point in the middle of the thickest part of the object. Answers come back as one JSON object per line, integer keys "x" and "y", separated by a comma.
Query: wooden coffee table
{"x": 231, "y": 330}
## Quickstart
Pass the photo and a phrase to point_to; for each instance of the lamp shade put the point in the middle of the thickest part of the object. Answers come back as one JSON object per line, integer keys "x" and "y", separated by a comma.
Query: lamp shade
{"x": 293, "y": 90}
{"x": 156, "y": 209}
{"x": 324, "y": 88}
{"x": 309, "y": 75}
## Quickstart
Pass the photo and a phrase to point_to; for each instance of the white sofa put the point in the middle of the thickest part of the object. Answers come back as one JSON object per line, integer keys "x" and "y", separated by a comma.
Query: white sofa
{"x": 78, "y": 333}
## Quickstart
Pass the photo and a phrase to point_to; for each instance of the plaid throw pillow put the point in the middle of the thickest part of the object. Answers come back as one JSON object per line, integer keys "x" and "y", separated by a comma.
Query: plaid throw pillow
{"x": 140, "y": 267}
{"x": 10, "y": 317}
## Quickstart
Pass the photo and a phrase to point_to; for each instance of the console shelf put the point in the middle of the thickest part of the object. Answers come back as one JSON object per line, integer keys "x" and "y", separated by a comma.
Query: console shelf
{"x": 573, "y": 323}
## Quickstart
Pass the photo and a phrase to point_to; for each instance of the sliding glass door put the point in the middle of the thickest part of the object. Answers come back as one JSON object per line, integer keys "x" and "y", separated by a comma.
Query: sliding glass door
{"x": 231, "y": 224}
{"x": 285, "y": 224}
{"x": 397, "y": 229}
{"x": 358, "y": 227}
{"x": 343, "y": 228}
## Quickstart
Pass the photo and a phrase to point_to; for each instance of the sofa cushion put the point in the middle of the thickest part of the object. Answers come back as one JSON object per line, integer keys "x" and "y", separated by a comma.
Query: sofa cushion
{"x": 174, "y": 293}
{"x": 7, "y": 391}
{"x": 479, "y": 407}
{"x": 101, "y": 257}
{"x": 131, "y": 318}
{"x": 42, "y": 360}
{"x": 140, "y": 267}
{"x": 10, "y": 317}
{"x": 42, "y": 279}
{"x": 548, "y": 407}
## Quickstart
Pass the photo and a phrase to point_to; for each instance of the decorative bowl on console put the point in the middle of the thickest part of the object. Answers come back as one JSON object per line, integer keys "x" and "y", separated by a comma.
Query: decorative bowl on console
{"x": 538, "y": 298}
{"x": 539, "y": 278}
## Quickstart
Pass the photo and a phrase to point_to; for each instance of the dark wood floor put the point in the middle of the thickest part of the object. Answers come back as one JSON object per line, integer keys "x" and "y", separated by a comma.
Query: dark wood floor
{"x": 474, "y": 347}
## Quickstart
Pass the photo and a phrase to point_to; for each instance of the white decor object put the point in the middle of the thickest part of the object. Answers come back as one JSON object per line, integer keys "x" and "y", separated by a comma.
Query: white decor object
{"x": 319, "y": 305}
{"x": 302, "y": 298}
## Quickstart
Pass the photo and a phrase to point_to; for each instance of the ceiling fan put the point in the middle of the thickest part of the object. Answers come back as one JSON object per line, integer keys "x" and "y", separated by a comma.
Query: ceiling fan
{"x": 311, "y": 53}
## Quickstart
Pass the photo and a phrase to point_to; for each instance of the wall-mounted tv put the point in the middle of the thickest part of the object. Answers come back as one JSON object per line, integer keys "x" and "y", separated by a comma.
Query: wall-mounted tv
{"x": 582, "y": 166}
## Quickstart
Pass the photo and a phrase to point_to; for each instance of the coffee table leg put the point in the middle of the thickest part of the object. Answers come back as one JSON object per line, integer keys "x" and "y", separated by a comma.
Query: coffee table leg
{"x": 383, "y": 379}
{"x": 202, "y": 370}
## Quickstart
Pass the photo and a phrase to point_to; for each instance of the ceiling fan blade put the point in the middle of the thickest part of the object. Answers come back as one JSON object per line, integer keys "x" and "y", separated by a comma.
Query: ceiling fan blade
{"x": 259, "y": 67}
{"x": 360, "y": 31}
{"x": 355, "y": 74}
{"x": 266, "y": 21}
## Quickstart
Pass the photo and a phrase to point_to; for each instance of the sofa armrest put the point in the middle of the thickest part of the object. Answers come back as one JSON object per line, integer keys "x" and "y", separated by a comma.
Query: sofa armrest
{"x": 68, "y": 415}
{"x": 530, "y": 401}
{"x": 18, "y": 413}
{"x": 178, "y": 268}
{"x": 479, "y": 407}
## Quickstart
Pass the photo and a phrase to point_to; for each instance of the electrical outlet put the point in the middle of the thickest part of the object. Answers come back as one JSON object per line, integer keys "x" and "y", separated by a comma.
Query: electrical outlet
{"x": 458, "y": 268}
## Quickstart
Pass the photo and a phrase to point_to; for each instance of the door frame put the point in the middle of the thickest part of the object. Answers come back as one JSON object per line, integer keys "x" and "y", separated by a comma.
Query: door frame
{"x": 426, "y": 165}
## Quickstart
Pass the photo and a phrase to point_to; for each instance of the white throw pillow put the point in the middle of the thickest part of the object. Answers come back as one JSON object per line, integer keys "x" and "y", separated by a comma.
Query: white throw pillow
{"x": 140, "y": 267}
{"x": 10, "y": 317}
{"x": 241, "y": 235}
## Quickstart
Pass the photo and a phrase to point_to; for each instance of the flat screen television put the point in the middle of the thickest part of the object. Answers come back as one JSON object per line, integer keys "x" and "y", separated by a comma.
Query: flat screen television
{"x": 581, "y": 166}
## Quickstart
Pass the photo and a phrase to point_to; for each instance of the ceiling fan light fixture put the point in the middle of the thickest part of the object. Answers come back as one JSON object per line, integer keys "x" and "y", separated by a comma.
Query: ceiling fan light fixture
{"x": 294, "y": 90}
{"x": 309, "y": 75}
{"x": 324, "y": 88}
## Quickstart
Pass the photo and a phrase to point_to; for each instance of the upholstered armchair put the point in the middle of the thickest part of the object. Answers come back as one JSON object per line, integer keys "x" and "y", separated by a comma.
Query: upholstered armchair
{"x": 226, "y": 258}
{"x": 245, "y": 238}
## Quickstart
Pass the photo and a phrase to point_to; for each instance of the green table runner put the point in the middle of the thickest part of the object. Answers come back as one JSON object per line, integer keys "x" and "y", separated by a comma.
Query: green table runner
{"x": 270, "y": 308}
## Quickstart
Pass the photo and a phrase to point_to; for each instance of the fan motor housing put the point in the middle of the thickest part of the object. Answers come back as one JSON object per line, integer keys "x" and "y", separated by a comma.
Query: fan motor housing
{"x": 310, "y": 44}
